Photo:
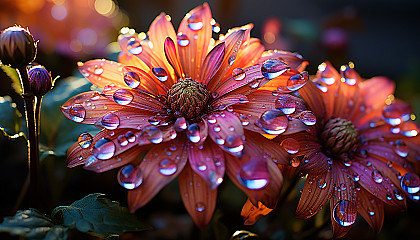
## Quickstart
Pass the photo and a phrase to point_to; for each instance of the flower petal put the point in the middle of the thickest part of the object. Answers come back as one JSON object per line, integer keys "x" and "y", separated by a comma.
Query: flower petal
{"x": 313, "y": 98}
{"x": 316, "y": 191}
{"x": 161, "y": 29}
{"x": 199, "y": 199}
{"x": 145, "y": 81}
{"x": 221, "y": 103}
{"x": 159, "y": 169}
{"x": 375, "y": 91}
{"x": 252, "y": 213}
{"x": 294, "y": 60}
{"x": 197, "y": 28}
{"x": 384, "y": 152}
{"x": 270, "y": 148}
{"x": 315, "y": 162}
{"x": 172, "y": 57}
{"x": 208, "y": 162}
{"x": 371, "y": 209}
{"x": 103, "y": 72}
{"x": 248, "y": 55}
{"x": 125, "y": 56}
{"x": 212, "y": 63}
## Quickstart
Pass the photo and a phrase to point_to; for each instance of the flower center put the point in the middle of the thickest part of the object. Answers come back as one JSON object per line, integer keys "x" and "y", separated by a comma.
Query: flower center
{"x": 339, "y": 136}
{"x": 187, "y": 98}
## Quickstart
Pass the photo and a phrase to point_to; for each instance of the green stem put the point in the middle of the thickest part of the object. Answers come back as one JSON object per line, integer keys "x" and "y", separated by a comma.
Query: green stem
{"x": 31, "y": 122}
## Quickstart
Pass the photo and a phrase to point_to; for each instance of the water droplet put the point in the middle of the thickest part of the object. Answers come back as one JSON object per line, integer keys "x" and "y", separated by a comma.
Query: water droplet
{"x": 95, "y": 96}
{"x": 398, "y": 195}
{"x": 308, "y": 118}
{"x": 201, "y": 166}
{"x": 294, "y": 162}
{"x": 160, "y": 74}
{"x": 193, "y": 133}
{"x": 347, "y": 162}
{"x": 134, "y": 46}
{"x": 291, "y": 145}
{"x": 130, "y": 177}
{"x": 349, "y": 75}
{"x": 216, "y": 28}
{"x": 77, "y": 113}
{"x": 91, "y": 160}
{"x": 286, "y": 104}
{"x": 122, "y": 140}
{"x": 110, "y": 121}
{"x": 244, "y": 120}
{"x": 297, "y": 81}
{"x": 180, "y": 124}
{"x": 389, "y": 196}
{"x": 272, "y": 68}
{"x": 345, "y": 213}
{"x": 273, "y": 122}
{"x": 254, "y": 174}
{"x": 123, "y": 96}
{"x": 356, "y": 177}
{"x": 132, "y": 79}
{"x": 85, "y": 140}
{"x": 238, "y": 74}
{"x": 400, "y": 148}
{"x": 153, "y": 134}
{"x": 98, "y": 70}
{"x": 200, "y": 207}
{"x": 217, "y": 128}
{"x": 167, "y": 167}
{"x": 410, "y": 183}
{"x": 194, "y": 22}
{"x": 396, "y": 113}
{"x": 234, "y": 144}
{"x": 154, "y": 120}
{"x": 254, "y": 84}
{"x": 377, "y": 176}
{"x": 182, "y": 40}
{"x": 371, "y": 211}
{"x": 104, "y": 149}
{"x": 322, "y": 183}
{"x": 409, "y": 129}
{"x": 212, "y": 119}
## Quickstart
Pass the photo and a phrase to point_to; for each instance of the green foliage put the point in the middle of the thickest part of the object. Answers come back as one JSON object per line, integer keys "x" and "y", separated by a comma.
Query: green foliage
{"x": 10, "y": 118}
{"x": 32, "y": 224}
{"x": 97, "y": 215}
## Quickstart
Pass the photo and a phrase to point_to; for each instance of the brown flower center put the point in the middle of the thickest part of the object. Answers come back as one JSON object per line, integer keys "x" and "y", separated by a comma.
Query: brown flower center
{"x": 339, "y": 136}
{"x": 188, "y": 98}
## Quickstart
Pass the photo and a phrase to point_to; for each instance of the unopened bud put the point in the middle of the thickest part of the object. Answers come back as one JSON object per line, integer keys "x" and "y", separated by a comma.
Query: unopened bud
{"x": 40, "y": 80}
{"x": 17, "y": 47}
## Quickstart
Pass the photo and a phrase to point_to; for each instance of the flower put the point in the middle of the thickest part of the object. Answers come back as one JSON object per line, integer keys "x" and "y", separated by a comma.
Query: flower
{"x": 196, "y": 105}
{"x": 361, "y": 154}
{"x": 40, "y": 80}
{"x": 17, "y": 47}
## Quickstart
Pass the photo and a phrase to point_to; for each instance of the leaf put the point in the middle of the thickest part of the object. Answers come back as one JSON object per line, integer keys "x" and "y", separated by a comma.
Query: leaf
{"x": 32, "y": 224}
{"x": 58, "y": 133}
{"x": 10, "y": 118}
{"x": 13, "y": 75}
{"x": 97, "y": 215}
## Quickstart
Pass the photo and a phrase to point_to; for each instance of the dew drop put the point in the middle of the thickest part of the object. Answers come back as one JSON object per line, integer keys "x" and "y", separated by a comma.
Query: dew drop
{"x": 272, "y": 68}
{"x": 212, "y": 119}
{"x": 398, "y": 195}
{"x": 234, "y": 144}
{"x": 153, "y": 134}
{"x": 356, "y": 177}
{"x": 130, "y": 177}
{"x": 322, "y": 183}
{"x": 345, "y": 213}
{"x": 396, "y": 113}
{"x": 160, "y": 74}
{"x": 254, "y": 84}
{"x": 410, "y": 183}
{"x": 201, "y": 166}
{"x": 95, "y": 96}
{"x": 238, "y": 74}
{"x": 180, "y": 124}
{"x": 154, "y": 120}
{"x": 254, "y": 174}
{"x": 297, "y": 81}
{"x": 371, "y": 211}
{"x": 291, "y": 145}
{"x": 308, "y": 118}
{"x": 104, "y": 149}
{"x": 123, "y": 96}
{"x": 122, "y": 140}
{"x": 182, "y": 40}
{"x": 273, "y": 122}
{"x": 85, "y": 140}
{"x": 244, "y": 120}
{"x": 409, "y": 129}
{"x": 200, "y": 207}
{"x": 194, "y": 22}
{"x": 217, "y": 128}
{"x": 193, "y": 133}
{"x": 132, "y": 79}
{"x": 110, "y": 121}
{"x": 377, "y": 176}
{"x": 294, "y": 162}
{"x": 167, "y": 167}
{"x": 134, "y": 46}
{"x": 77, "y": 113}
{"x": 98, "y": 70}
{"x": 400, "y": 148}
{"x": 286, "y": 104}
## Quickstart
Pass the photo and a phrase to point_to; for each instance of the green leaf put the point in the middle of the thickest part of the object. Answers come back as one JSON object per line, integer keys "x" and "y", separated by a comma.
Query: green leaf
{"x": 13, "y": 75}
{"x": 97, "y": 215}
{"x": 58, "y": 133}
{"x": 32, "y": 224}
{"x": 10, "y": 117}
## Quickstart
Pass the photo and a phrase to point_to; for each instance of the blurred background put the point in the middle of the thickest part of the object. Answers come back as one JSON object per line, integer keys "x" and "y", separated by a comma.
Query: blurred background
{"x": 380, "y": 37}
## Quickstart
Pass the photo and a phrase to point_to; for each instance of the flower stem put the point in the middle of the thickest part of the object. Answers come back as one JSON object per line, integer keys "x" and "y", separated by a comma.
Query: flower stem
{"x": 33, "y": 145}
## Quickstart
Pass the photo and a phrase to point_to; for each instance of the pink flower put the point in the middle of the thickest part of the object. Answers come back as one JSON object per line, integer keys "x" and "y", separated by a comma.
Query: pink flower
{"x": 191, "y": 104}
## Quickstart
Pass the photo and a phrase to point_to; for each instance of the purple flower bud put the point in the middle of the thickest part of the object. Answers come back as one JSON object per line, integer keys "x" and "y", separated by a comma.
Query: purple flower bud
{"x": 40, "y": 80}
{"x": 17, "y": 47}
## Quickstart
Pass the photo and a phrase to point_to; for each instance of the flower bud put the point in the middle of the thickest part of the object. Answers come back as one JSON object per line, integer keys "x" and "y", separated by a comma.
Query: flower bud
{"x": 17, "y": 47}
{"x": 40, "y": 80}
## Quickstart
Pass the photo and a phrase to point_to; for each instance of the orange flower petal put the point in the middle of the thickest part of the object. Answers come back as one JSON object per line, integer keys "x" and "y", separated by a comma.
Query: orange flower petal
{"x": 294, "y": 60}
{"x": 172, "y": 57}
{"x": 271, "y": 148}
{"x": 251, "y": 79}
{"x": 247, "y": 56}
{"x": 371, "y": 209}
{"x": 199, "y": 199}
{"x": 252, "y": 214}
{"x": 160, "y": 29}
{"x": 103, "y": 72}
{"x": 212, "y": 63}
{"x": 313, "y": 98}
{"x": 138, "y": 79}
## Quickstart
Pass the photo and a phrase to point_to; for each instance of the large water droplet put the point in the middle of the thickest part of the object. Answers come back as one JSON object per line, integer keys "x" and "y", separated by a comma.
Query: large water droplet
{"x": 308, "y": 118}
{"x": 286, "y": 104}
{"x": 272, "y": 68}
{"x": 130, "y": 177}
{"x": 238, "y": 74}
{"x": 194, "y": 22}
{"x": 167, "y": 167}
{"x": 110, "y": 121}
{"x": 377, "y": 176}
{"x": 254, "y": 174}
{"x": 77, "y": 113}
{"x": 400, "y": 148}
{"x": 182, "y": 40}
{"x": 200, "y": 207}
{"x": 201, "y": 166}
{"x": 104, "y": 149}
{"x": 409, "y": 129}
{"x": 193, "y": 133}
{"x": 160, "y": 74}
{"x": 273, "y": 121}
{"x": 396, "y": 113}
{"x": 123, "y": 96}
{"x": 153, "y": 134}
{"x": 291, "y": 145}
{"x": 85, "y": 140}
{"x": 132, "y": 79}
{"x": 356, "y": 177}
{"x": 180, "y": 124}
{"x": 294, "y": 162}
{"x": 345, "y": 213}
{"x": 234, "y": 144}
{"x": 122, "y": 140}
{"x": 154, "y": 120}
{"x": 98, "y": 70}
{"x": 410, "y": 183}
{"x": 134, "y": 46}
{"x": 297, "y": 81}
